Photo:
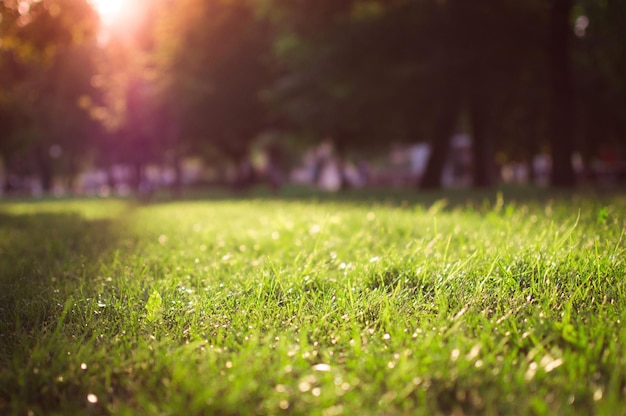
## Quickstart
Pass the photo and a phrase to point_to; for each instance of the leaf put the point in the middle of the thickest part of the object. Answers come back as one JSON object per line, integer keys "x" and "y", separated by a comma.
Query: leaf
{"x": 154, "y": 306}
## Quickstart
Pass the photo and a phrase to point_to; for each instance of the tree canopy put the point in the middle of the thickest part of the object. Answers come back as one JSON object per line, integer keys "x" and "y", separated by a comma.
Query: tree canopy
{"x": 211, "y": 77}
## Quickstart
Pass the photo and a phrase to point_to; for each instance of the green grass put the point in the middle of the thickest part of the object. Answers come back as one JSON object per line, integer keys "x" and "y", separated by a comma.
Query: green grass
{"x": 485, "y": 305}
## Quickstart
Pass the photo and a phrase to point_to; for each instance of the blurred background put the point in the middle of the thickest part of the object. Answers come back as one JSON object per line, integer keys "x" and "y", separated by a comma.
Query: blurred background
{"x": 113, "y": 97}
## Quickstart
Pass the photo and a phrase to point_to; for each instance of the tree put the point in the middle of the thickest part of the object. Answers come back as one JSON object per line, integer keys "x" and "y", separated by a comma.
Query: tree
{"x": 562, "y": 131}
{"x": 600, "y": 76}
{"x": 367, "y": 72}
{"x": 213, "y": 65}
{"x": 347, "y": 72}
{"x": 48, "y": 78}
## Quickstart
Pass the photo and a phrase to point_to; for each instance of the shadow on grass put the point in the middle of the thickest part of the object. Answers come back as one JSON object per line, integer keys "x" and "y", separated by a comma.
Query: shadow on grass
{"x": 44, "y": 258}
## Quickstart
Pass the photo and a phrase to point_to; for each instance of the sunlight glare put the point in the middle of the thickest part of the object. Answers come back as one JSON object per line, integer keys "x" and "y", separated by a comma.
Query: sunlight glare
{"x": 109, "y": 10}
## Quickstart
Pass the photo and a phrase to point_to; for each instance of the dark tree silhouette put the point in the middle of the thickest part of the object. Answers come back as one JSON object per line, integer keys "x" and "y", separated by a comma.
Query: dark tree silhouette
{"x": 562, "y": 117}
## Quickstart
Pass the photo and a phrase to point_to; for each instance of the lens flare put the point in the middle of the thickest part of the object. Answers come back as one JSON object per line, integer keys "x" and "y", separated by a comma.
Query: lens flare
{"x": 109, "y": 10}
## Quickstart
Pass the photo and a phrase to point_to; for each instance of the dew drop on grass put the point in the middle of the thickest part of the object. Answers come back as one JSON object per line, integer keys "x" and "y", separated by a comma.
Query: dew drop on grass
{"x": 552, "y": 364}
{"x": 474, "y": 352}
{"x": 530, "y": 373}
{"x": 597, "y": 394}
{"x": 92, "y": 398}
{"x": 321, "y": 367}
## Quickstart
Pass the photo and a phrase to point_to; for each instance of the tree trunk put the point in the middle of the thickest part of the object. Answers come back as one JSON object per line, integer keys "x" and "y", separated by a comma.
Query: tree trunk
{"x": 111, "y": 181}
{"x": 177, "y": 185}
{"x": 446, "y": 123}
{"x": 483, "y": 166}
{"x": 244, "y": 171}
{"x": 340, "y": 150}
{"x": 173, "y": 136}
{"x": 138, "y": 176}
{"x": 72, "y": 174}
{"x": 44, "y": 168}
{"x": 562, "y": 129}
{"x": 4, "y": 162}
{"x": 531, "y": 144}
{"x": 531, "y": 152}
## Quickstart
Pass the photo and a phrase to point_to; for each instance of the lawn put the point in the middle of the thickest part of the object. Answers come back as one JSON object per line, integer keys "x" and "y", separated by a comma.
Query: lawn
{"x": 351, "y": 305}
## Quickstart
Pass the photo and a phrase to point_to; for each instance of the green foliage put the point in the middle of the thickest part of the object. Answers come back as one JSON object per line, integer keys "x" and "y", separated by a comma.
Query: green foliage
{"x": 211, "y": 77}
{"x": 213, "y": 64}
{"x": 403, "y": 304}
{"x": 46, "y": 66}
{"x": 599, "y": 74}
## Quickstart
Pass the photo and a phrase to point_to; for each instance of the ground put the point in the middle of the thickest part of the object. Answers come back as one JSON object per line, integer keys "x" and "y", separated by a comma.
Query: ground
{"x": 394, "y": 303}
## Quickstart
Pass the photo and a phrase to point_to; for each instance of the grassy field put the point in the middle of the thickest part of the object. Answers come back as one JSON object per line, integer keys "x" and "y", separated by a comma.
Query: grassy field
{"x": 357, "y": 306}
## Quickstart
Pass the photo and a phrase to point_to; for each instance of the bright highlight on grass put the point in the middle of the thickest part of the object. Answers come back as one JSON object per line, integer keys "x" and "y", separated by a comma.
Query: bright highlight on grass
{"x": 331, "y": 307}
